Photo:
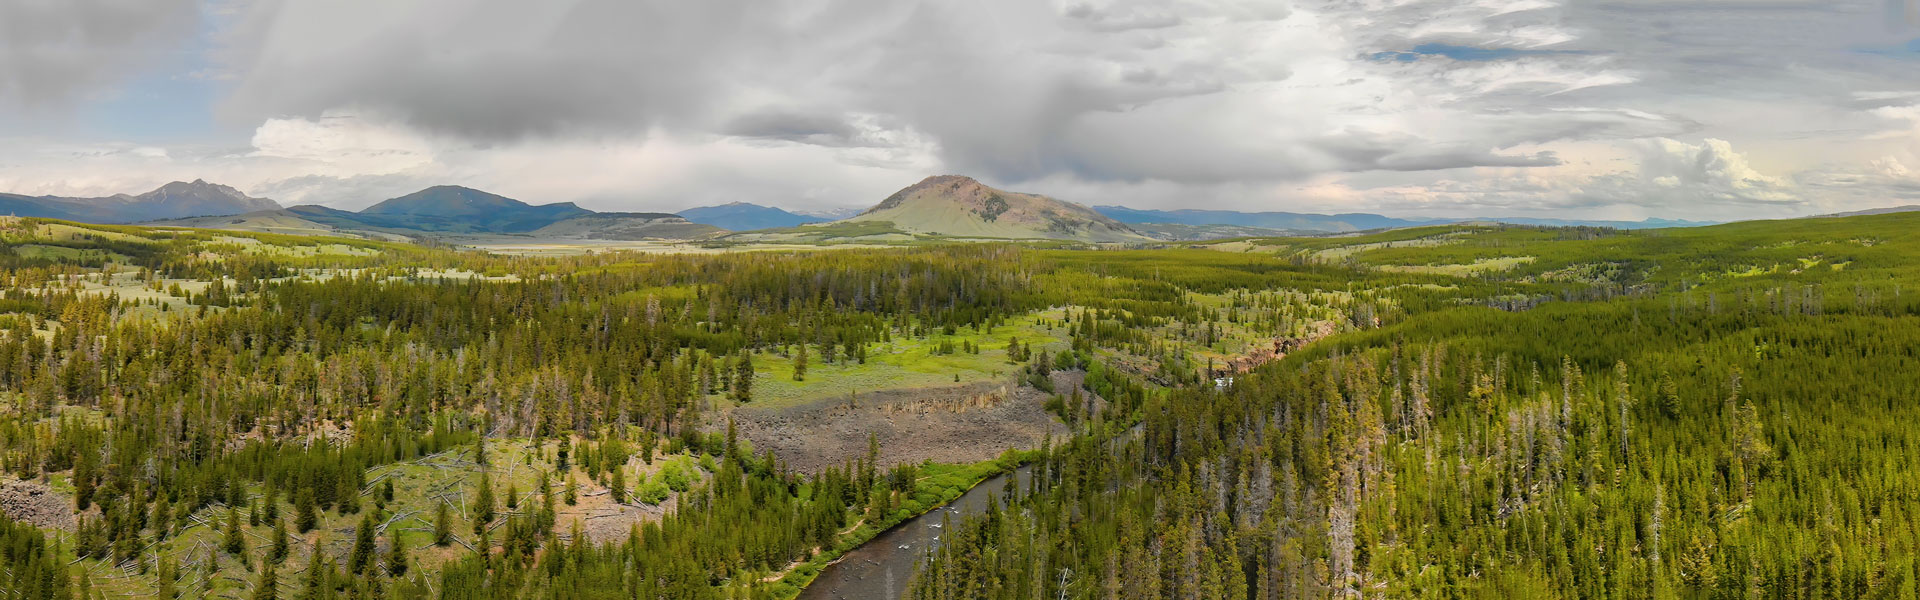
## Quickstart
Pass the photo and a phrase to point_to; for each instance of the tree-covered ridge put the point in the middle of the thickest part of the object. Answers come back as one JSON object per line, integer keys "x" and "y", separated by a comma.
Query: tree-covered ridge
{"x": 1726, "y": 420}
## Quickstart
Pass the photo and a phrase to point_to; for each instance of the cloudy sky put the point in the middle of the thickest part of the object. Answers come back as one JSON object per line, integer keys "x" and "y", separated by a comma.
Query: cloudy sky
{"x": 1619, "y": 109}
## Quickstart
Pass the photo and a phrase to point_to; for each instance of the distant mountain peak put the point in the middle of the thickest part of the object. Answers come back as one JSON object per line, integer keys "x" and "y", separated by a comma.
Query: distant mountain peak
{"x": 454, "y": 208}
{"x": 175, "y": 200}
{"x": 459, "y": 189}
{"x": 200, "y": 187}
{"x": 746, "y": 216}
{"x": 948, "y": 179}
{"x": 197, "y": 198}
{"x": 445, "y": 200}
{"x": 961, "y": 206}
{"x": 952, "y": 184}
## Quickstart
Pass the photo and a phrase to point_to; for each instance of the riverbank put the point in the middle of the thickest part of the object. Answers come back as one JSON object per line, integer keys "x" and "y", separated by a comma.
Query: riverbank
{"x": 941, "y": 485}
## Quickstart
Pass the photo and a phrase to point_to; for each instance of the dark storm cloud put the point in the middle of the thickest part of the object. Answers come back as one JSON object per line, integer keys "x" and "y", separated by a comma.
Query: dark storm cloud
{"x": 1013, "y": 90}
{"x": 817, "y": 128}
{"x": 1741, "y": 48}
{"x": 53, "y": 52}
{"x": 506, "y": 70}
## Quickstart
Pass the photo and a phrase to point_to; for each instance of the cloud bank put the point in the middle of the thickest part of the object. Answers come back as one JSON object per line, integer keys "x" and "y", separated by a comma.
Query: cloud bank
{"x": 1705, "y": 109}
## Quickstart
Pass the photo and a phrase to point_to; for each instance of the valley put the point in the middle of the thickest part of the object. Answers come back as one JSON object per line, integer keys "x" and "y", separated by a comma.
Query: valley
{"x": 383, "y": 417}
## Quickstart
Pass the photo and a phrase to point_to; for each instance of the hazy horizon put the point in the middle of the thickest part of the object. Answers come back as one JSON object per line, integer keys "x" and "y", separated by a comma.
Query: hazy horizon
{"x": 839, "y": 212}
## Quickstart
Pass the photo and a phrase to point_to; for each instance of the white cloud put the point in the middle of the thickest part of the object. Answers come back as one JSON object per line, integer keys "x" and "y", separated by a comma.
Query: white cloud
{"x": 343, "y": 144}
{"x": 1708, "y": 172}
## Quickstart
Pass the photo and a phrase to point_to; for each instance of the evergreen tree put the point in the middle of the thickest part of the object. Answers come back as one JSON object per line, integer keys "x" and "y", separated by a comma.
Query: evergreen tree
{"x": 161, "y": 519}
{"x": 442, "y": 524}
{"x": 83, "y": 483}
{"x": 167, "y": 580}
{"x": 319, "y": 581}
{"x": 268, "y": 587}
{"x": 363, "y": 547}
{"x": 234, "y": 542}
{"x": 396, "y": 554}
{"x": 743, "y": 378}
{"x": 305, "y": 517}
{"x": 278, "y": 552}
{"x": 483, "y": 503}
{"x": 547, "y": 513}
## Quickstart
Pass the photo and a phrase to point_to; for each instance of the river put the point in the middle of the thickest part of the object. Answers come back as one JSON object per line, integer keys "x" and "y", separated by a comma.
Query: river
{"x": 880, "y": 568}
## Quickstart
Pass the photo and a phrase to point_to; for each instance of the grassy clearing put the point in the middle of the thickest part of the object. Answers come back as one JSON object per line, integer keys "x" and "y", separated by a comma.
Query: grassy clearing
{"x": 309, "y": 249}
{"x": 1478, "y": 266}
{"x": 1335, "y": 248}
{"x": 31, "y": 251}
{"x": 903, "y": 363}
{"x": 72, "y": 233}
{"x": 918, "y": 363}
{"x": 1342, "y": 252}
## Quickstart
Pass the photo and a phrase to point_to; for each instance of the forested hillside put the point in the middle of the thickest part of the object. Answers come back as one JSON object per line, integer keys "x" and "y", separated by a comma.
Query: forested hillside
{"x": 1437, "y": 412}
{"x": 200, "y": 413}
{"x": 1708, "y": 413}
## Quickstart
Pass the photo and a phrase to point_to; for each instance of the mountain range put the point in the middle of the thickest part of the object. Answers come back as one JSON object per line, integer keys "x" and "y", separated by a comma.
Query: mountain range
{"x": 171, "y": 201}
{"x": 949, "y": 206}
{"x": 455, "y": 210}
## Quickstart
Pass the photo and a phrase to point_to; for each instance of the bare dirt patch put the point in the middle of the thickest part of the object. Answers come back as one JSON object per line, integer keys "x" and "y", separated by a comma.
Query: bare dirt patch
{"x": 34, "y": 503}
{"x": 1257, "y": 355}
{"x": 952, "y": 424}
{"x": 604, "y": 520}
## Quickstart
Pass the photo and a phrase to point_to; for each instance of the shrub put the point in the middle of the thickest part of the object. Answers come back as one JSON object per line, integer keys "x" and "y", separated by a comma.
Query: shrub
{"x": 675, "y": 475}
{"x": 654, "y": 491}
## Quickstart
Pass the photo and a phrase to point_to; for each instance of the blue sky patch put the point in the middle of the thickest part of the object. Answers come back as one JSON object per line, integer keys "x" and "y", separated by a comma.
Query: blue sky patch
{"x": 1460, "y": 53}
{"x": 1909, "y": 50}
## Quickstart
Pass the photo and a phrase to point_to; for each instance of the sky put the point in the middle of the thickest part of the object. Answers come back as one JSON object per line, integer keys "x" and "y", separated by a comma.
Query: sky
{"x": 1593, "y": 109}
